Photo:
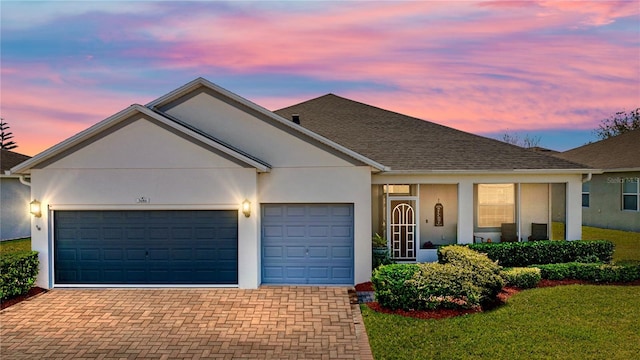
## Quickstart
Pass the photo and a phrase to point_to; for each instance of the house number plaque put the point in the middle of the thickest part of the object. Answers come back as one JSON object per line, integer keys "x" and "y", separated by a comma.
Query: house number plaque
{"x": 438, "y": 215}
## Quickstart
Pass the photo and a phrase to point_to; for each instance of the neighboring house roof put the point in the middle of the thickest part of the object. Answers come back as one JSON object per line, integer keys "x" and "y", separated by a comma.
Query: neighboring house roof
{"x": 618, "y": 152}
{"x": 193, "y": 86}
{"x": 408, "y": 144}
{"x": 80, "y": 138}
{"x": 9, "y": 159}
{"x": 543, "y": 150}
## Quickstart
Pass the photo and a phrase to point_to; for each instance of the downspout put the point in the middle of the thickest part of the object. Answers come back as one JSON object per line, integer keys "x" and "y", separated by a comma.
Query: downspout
{"x": 588, "y": 178}
{"x": 23, "y": 180}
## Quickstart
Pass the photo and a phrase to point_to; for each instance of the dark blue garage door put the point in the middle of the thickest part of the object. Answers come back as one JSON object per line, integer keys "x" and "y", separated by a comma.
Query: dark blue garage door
{"x": 307, "y": 244}
{"x": 146, "y": 247}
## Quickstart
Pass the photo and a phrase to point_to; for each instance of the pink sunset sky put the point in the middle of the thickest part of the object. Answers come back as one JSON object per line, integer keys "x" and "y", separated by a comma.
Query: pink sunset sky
{"x": 552, "y": 69}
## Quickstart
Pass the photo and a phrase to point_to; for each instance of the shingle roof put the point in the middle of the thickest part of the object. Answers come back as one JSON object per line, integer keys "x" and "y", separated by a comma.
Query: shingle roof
{"x": 9, "y": 159}
{"x": 618, "y": 152}
{"x": 405, "y": 143}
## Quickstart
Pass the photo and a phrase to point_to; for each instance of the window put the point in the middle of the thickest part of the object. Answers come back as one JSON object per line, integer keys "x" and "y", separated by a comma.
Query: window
{"x": 586, "y": 187}
{"x": 401, "y": 190}
{"x": 496, "y": 204}
{"x": 630, "y": 194}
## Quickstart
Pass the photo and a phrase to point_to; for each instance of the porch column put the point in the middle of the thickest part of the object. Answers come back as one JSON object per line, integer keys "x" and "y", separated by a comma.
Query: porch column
{"x": 574, "y": 209}
{"x": 465, "y": 212}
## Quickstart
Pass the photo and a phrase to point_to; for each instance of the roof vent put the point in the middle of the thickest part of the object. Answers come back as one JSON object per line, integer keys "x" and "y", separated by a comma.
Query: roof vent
{"x": 295, "y": 118}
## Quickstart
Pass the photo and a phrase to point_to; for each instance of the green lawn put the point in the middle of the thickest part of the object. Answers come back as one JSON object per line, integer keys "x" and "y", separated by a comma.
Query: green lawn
{"x": 566, "y": 322}
{"x": 11, "y": 246}
{"x": 627, "y": 242}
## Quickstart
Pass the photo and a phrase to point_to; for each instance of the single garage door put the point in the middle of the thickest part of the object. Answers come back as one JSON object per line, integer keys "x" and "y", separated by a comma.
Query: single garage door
{"x": 307, "y": 244}
{"x": 146, "y": 247}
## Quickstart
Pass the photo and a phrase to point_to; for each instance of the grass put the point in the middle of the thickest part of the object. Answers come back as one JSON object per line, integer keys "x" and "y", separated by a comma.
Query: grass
{"x": 11, "y": 246}
{"x": 627, "y": 242}
{"x": 567, "y": 322}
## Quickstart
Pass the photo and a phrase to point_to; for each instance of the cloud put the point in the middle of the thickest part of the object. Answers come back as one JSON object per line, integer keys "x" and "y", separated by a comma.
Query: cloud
{"x": 470, "y": 65}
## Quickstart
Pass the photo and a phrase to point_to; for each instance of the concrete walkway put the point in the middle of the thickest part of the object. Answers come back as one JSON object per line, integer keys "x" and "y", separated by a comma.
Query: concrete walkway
{"x": 267, "y": 323}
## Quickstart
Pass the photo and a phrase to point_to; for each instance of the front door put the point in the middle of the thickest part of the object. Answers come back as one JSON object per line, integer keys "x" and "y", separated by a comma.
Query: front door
{"x": 402, "y": 228}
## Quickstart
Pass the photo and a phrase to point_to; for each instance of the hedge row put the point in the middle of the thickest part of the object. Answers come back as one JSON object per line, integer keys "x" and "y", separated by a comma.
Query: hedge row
{"x": 522, "y": 254}
{"x": 463, "y": 279}
{"x": 591, "y": 272}
{"x": 524, "y": 278}
{"x": 18, "y": 272}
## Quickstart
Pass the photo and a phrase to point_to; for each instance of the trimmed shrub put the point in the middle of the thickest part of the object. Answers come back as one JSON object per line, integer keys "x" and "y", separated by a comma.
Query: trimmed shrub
{"x": 596, "y": 272}
{"x": 444, "y": 285}
{"x": 391, "y": 287}
{"x": 464, "y": 279}
{"x": 18, "y": 272}
{"x": 521, "y": 254}
{"x": 484, "y": 272}
{"x": 524, "y": 278}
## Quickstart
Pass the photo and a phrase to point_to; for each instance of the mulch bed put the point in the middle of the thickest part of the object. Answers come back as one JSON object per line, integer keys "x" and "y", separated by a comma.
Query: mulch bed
{"x": 502, "y": 298}
{"x": 16, "y": 299}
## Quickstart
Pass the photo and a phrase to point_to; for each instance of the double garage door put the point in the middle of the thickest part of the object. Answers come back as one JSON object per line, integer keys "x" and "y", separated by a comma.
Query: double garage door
{"x": 300, "y": 244}
{"x": 146, "y": 247}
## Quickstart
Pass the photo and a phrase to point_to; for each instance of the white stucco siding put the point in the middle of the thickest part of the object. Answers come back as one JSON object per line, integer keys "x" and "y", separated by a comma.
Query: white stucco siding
{"x": 327, "y": 185}
{"x": 142, "y": 145}
{"x": 252, "y": 135}
{"x": 111, "y": 189}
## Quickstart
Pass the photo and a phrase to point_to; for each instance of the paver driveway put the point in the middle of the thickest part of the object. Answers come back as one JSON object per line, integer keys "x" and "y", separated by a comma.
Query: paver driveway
{"x": 267, "y": 323}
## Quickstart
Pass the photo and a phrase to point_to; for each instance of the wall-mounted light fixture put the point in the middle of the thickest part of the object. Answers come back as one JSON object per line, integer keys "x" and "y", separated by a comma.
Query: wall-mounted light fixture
{"x": 246, "y": 207}
{"x": 35, "y": 208}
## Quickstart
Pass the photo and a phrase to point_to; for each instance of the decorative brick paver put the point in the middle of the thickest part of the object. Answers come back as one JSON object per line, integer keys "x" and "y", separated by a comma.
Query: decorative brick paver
{"x": 267, "y": 323}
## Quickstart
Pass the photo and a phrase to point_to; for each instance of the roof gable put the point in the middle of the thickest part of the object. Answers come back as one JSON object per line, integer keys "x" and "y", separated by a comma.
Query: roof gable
{"x": 167, "y": 103}
{"x": 618, "y": 152}
{"x": 120, "y": 119}
{"x": 408, "y": 144}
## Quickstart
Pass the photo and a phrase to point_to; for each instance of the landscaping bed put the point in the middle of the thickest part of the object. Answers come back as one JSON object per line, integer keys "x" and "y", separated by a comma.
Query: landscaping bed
{"x": 501, "y": 299}
{"x": 17, "y": 299}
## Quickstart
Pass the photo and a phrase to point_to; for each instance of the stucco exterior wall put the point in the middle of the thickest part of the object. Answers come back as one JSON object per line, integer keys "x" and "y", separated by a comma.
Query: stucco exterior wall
{"x": 605, "y": 203}
{"x": 143, "y": 159}
{"x": 14, "y": 209}
{"x": 234, "y": 126}
{"x": 447, "y": 195}
{"x": 327, "y": 185}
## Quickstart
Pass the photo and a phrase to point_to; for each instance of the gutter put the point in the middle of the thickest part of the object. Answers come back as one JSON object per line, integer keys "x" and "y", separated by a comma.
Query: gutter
{"x": 22, "y": 178}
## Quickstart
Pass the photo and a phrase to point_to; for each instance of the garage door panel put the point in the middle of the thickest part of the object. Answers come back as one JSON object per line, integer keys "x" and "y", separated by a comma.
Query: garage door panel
{"x": 145, "y": 247}
{"x": 307, "y": 244}
{"x": 318, "y": 252}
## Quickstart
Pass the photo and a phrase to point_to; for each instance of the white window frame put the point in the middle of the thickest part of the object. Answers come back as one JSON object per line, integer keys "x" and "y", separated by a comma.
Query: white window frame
{"x": 635, "y": 193}
{"x": 513, "y": 205}
{"x": 587, "y": 192}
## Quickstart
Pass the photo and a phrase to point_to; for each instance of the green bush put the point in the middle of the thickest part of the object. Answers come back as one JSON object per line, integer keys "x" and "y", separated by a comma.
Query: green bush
{"x": 391, "y": 287}
{"x": 18, "y": 272}
{"x": 444, "y": 285}
{"x": 465, "y": 279}
{"x": 524, "y": 278}
{"x": 596, "y": 272}
{"x": 485, "y": 273}
{"x": 521, "y": 254}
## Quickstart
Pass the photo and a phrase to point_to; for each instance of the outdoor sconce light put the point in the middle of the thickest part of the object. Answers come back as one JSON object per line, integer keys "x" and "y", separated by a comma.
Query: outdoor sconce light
{"x": 246, "y": 207}
{"x": 35, "y": 209}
